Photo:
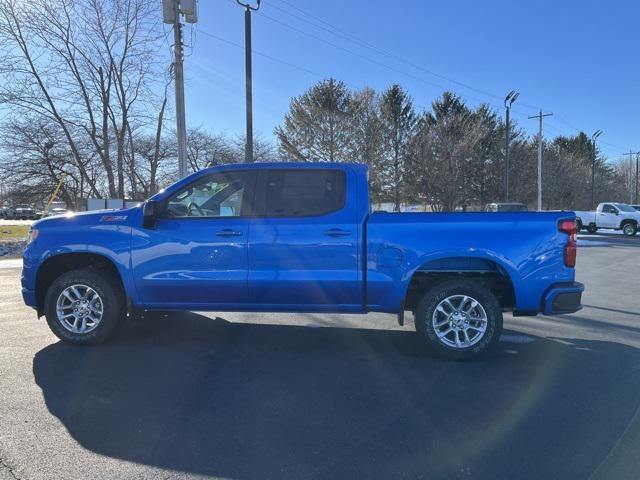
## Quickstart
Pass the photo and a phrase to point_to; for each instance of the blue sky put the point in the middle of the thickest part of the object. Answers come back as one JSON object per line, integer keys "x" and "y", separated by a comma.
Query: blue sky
{"x": 577, "y": 59}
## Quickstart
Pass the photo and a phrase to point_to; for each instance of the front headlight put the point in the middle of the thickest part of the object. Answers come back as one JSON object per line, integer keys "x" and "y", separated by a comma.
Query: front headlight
{"x": 32, "y": 235}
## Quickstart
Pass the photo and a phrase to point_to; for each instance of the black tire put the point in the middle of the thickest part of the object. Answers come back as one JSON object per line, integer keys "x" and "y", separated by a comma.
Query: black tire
{"x": 111, "y": 297}
{"x": 579, "y": 226}
{"x": 446, "y": 289}
{"x": 629, "y": 229}
{"x": 592, "y": 228}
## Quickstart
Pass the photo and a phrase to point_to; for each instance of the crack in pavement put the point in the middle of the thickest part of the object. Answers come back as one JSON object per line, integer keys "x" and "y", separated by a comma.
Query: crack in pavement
{"x": 5, "y": 466}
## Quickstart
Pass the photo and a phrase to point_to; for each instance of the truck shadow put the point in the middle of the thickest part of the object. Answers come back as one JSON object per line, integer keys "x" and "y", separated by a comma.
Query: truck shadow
{"x": 244, "y": 401}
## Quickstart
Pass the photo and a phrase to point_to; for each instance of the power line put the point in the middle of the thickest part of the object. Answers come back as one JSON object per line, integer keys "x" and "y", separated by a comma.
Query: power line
{"x": 262, "y": 54}
{"x": 350, "y": 37}
{"x": 394, "y": 69}
{"x": 326, "y": 26}
{"x": 382, "y": 64}
{"x": 579, "y": 130}
{"x": 384, "y": 52}
{"x": 351, "y": 52}
{"x": 321, "y": 75}
{"x": 347, "y": 36}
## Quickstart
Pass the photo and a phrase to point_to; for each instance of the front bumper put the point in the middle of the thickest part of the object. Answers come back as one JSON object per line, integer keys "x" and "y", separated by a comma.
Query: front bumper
{"x": 27, "y": 279}
{"x": 562, "y": 298}
{"x": 29, "y": 297}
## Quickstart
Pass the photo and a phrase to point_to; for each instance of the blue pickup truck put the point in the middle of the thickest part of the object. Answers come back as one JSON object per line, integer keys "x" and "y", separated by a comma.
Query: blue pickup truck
{"x": 284, "y": 237}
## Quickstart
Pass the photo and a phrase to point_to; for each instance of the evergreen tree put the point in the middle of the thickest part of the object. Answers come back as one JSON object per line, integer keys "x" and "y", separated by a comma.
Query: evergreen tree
{"x": 365, "y": 133}
{"x": 399, "y": 121}
{"x": 317, "y": 124}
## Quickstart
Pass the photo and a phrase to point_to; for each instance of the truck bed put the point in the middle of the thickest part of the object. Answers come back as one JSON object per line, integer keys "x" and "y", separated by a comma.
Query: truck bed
{"x": 525, "y": 245}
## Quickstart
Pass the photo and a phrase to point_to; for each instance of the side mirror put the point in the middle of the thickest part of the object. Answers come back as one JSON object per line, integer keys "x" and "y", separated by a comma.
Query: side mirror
{"x": 150, "y": 214}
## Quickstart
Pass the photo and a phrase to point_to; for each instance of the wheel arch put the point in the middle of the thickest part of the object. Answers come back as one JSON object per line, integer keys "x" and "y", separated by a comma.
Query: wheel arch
{"x": 58, "y": 264}
{"x": 496, "y": 274}
{"x": 627, "y": 221}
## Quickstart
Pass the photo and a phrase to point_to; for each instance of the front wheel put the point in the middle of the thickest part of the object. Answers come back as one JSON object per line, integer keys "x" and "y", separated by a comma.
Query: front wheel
{"x": 459, "y": 319}
{"x": 83, "y": 307}
{"x": 629, "y": 229}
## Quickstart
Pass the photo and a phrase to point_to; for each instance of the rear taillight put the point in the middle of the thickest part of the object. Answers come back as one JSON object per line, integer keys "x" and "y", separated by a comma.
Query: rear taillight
{"x": 570, "y": 249}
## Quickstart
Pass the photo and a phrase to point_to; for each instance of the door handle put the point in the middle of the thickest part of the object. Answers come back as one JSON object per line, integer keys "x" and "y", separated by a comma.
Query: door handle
{"x": 227, "y": 232}
{"x": 336, "y": 232}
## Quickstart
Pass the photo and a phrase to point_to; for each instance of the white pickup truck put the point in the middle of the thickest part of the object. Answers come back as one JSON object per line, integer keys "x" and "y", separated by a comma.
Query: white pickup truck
{"x": 612, "y": 215}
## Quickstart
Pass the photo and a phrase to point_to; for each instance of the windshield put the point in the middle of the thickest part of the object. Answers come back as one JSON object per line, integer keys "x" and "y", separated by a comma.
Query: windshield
{"x": 625, "y": 208}
{"x": 512, "y": 207}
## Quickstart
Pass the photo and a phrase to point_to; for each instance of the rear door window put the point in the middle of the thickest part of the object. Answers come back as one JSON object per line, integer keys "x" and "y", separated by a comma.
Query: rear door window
{"x": 300, "y": 193}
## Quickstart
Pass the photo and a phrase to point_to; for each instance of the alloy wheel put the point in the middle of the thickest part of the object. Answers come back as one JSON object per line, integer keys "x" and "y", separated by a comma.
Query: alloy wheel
{"x": 459, "y": 321}
{"x": 79, "y": 309}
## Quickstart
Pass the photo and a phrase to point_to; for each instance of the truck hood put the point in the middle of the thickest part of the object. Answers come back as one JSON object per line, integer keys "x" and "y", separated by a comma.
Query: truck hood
{"x": 95, "y": 217}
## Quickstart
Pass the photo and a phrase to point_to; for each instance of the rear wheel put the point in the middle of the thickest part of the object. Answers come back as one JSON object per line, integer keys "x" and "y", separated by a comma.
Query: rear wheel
{"x": 459, "y": 319}
{"x": 629, "y": 229}
{"x": 592, "y": 228}
{"x": 83, "y": 307}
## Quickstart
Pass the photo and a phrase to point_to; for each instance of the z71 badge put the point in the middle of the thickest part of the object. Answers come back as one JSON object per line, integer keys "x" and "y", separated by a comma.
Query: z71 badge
{"x": 113, "y": 218}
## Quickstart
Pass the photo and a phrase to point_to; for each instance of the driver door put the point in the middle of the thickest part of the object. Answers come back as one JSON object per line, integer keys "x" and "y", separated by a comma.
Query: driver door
{"x": 608, "y": 218}
{"x": 197, "y": 255}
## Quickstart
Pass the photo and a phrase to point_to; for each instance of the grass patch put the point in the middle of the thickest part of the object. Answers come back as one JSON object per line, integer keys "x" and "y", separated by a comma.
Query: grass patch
{"x": 13, "y": 232}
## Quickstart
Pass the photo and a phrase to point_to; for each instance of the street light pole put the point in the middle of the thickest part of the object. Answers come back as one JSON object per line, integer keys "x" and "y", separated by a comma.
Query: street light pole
{"x": 595, "y": 135}
{"x": 248, "y": 152}
{"x": 509, "y": 99}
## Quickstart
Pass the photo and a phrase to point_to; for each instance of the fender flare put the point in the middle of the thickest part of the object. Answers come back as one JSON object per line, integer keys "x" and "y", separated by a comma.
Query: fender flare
{"x": 502, "y": 262}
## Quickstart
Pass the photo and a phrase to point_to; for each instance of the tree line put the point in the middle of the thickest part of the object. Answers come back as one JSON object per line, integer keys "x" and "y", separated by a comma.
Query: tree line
{"x": 85, "y": 101}
{"x": 448, "y": 156}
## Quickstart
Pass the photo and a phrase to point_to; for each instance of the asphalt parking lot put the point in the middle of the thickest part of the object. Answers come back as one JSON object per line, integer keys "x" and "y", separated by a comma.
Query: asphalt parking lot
{"x": 245, "y": 396}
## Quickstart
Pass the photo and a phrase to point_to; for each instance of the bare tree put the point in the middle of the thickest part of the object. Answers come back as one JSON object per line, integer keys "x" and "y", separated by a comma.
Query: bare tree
{"x": 88, "y": 66}
{"x": 205, "y": 149}
{"x": 263, "y": 149}
{"x": 38, "y": 159}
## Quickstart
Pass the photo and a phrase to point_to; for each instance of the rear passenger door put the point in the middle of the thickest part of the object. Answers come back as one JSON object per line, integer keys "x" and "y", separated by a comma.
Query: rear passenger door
{"x": 303, "y": 241}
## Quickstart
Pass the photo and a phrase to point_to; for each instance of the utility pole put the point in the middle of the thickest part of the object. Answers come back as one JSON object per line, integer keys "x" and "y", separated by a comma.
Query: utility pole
{"x": 636, "y": 198}
{"x": 594, "y": 137}
{"x": 508, "y": 101}
{"x": 171, "y": 11}
{"x": 248, "y": 151}
{"x": 178, "y": 71}
{"x": 540, "y": 116}
{"x": 631, "y": 195}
